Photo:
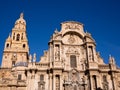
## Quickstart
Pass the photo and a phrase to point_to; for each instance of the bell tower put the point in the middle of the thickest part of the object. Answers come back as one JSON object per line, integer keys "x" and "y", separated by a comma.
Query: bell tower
{"x": 16, "y": 47}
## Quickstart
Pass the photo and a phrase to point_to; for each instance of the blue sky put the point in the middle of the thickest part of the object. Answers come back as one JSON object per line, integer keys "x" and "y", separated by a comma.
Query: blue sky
{"x": 100, "y": 17}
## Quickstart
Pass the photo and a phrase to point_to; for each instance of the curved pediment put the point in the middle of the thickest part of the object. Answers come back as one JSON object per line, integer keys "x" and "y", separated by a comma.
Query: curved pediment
{"x": 72, "y": 26}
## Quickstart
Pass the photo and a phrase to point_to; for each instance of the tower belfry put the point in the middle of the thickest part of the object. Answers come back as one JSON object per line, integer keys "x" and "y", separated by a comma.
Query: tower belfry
{"x": 16, "y": 47}
{"x": 71, "y": 62}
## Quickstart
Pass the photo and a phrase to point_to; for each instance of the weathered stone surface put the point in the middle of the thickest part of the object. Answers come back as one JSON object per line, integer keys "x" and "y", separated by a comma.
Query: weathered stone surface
{"x": 70, "y": 63}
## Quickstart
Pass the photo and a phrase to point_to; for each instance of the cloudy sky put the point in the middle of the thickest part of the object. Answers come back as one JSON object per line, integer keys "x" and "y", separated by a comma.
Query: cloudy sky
{"x": 100, "y": 17}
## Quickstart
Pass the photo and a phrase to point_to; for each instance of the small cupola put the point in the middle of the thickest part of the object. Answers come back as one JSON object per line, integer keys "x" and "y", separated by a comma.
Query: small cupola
{"x": 21, "y": 19}
{"x": 20, "y": 23}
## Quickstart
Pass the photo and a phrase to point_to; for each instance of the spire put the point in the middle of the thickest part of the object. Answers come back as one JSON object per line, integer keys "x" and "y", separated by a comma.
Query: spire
{"x": 34, "y": 57}
{"x": 56, "y": 31}
{"x": 21, "y": 15}
{"x": 9, "y": 35}
{"x": 111, "y": 60}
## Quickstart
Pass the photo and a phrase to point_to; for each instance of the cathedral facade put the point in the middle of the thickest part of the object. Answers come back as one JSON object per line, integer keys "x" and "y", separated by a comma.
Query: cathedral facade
{"x": 70, "y": 63}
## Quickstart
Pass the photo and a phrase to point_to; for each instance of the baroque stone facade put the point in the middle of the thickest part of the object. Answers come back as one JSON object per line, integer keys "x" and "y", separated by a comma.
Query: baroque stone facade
{"x": 70, "y": 63}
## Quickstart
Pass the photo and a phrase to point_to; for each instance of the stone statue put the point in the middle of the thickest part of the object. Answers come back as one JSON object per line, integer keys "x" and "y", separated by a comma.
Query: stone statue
{"x": 30, "y": 58}
{"x": 57, "y": 54}
{"x": 111, "y": 60}
{"x": 90, "y": 54}
{"x": 34, "y": 57}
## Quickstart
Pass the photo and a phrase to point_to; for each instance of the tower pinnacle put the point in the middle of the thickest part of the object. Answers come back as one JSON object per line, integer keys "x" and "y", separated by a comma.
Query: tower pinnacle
{"x": 21, "y": 15}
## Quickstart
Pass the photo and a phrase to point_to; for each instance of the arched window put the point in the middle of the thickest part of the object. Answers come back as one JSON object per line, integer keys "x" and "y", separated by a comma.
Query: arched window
{"x": 23, "y": 45}
{"x": 22, "y": 37}
{"x": 91, "y": 56}
{"x": 18, "y": 37}
{"x": 94, "y": 82}
{"x": 7, "y": 45}
{"x": 19, "y": 76}
{"x": 13, "y": 63}
{"x": 41, "y": 84}
{"x": 41, "y": 77}
{"x": 14, "y": 36}
{"x": 73, "y": 63}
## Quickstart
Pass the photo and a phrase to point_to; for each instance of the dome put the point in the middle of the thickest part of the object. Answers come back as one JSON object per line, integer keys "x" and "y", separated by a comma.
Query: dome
{"x": 21, "y": 19}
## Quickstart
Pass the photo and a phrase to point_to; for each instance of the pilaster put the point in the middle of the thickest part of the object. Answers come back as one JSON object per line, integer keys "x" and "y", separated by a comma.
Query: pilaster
{"x": 91, "y": 83}
{"x": 50, "y": 82}
{"x": 54, "y": 82}
{"x": 61, "y": 83}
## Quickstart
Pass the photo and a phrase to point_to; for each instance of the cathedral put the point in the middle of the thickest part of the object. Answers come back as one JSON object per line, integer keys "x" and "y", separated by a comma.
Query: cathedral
{"x": 70, "y": 63}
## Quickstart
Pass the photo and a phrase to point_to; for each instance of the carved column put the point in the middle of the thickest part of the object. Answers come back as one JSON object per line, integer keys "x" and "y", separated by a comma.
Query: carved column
{"x": 61, "y": 83}
{"x": 94, "y": 54}
{"x": 33, "y": 80}
{"x": 29, "y": 80}
{"x": 98, "y": 81}
{"x": 114, "y": 81}
{"x": 54, "y": 82}
{"x": 50, "y": 82}
{"x": 91, "y": 83}
{"x": 51, "y": 54}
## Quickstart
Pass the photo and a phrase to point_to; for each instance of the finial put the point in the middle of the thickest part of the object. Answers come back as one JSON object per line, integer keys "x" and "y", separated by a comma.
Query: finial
{"x": 34, "y": 57}
{"x": 111, "y": 60}
{"x": 30, "y": 58}
{"x": 56, "y": 31}
{"x": 9, "y": 35}
{"x": 21, "y": 15}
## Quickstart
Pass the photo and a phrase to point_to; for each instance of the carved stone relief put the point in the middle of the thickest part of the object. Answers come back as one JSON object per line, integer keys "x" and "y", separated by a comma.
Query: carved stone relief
{"x": 74, "y": 81}
{"x": 72, "y": 26}
{"x": 71, "y": 39}
{"x": 6, "y": 77}
{"x": 73, "y": 50}
{"x": 41, "y": 85}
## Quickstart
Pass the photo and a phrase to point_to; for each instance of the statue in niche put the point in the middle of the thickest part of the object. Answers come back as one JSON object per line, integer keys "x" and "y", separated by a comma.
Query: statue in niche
{"x": 90, "y": 54}
{"x": 57, "y": 53}
{"x": 63, "y": 61}
{"x": 105, "y": 82}
{"x": 74, "y": 77}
